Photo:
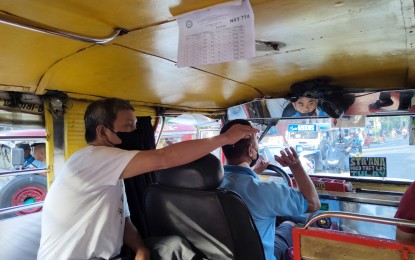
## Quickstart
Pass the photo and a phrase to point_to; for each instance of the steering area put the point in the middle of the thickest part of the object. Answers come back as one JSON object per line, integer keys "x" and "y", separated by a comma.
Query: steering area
{"x": 280, "y": 173}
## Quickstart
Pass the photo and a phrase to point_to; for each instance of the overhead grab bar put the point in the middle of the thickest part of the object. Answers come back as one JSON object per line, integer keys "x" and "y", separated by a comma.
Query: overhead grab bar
{"x": 42, "y": 28}
{"x": 354, "y": 216}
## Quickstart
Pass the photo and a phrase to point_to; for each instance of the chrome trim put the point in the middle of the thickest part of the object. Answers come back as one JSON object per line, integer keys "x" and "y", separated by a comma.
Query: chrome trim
{"x": 21, "y": 207}
{"x": 42, "y": 28}
{"x": 22, "y": 172}
{"x": 161, "y": 130}
{"x": 273, "y": 108}
{"x": 360, "y": 217}
{"x": 23, "y": 138}
{"x": 367, "y": 200}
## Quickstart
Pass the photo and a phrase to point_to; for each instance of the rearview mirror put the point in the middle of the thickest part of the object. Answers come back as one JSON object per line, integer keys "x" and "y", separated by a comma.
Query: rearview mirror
{"x": 17, "y": 157}
{"x": 369, "y": 103}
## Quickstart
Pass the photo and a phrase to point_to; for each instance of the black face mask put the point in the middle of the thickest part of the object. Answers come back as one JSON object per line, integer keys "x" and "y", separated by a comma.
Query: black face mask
{"x": 129, "y": 140}
{"x": 254, "y": 160}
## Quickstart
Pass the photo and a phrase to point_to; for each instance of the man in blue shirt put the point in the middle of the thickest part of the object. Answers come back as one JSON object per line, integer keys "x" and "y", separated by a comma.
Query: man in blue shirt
{"x": 266, "y": 199}
{"x": 28, "y": 158}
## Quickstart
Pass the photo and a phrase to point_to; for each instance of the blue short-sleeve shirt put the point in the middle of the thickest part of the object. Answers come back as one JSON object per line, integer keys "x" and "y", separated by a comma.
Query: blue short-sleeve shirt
{"x": 265, "y": 200}
{"x": 38, "y": 164}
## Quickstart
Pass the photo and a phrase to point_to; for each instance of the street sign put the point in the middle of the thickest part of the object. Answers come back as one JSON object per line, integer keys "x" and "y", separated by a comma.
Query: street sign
{"x": 302, "y": 128}
{"x": 368, "y": 166}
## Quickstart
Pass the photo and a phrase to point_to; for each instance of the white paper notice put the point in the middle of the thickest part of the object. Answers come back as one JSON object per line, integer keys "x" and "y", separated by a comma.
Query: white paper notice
{"x": 219, "y": 34}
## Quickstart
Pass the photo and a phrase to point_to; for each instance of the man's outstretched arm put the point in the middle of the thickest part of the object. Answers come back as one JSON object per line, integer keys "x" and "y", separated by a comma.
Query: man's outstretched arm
{"x": 183, "y": 152}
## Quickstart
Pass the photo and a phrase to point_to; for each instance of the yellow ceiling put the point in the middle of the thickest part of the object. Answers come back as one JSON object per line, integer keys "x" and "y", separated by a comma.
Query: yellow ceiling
{"x": 359, "y": 44}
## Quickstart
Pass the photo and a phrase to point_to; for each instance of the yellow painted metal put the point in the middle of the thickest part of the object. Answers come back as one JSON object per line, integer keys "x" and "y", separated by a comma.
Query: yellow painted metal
{"x": 380, "y": 186}
{"x": 74, "y": 127}
{"x": 366, "y": 44}
{"x": 117, "y": 71}
{"x": 50, "y": 144}
{"x": 343, "y": 41}
{"x": 320, "y": 248}
{"x": 27, "y": 55}
{"x": 188, "y": 5}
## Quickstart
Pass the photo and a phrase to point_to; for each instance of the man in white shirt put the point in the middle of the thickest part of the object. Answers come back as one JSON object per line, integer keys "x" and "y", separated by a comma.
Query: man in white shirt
{"x": 85, "y": 213}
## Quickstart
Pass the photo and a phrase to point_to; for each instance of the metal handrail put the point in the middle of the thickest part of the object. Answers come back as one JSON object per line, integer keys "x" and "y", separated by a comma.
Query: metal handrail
{"x": 42, "y": 28}
{"x": 20, "y": 138}
{"x": 21, "y": 172}
{"x": 360, "y": 217}
{"x": 20, "y": 208}
{"x": 367, "y": 199}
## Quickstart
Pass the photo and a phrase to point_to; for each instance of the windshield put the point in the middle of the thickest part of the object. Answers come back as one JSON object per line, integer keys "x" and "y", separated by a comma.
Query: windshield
{"x": 378, "y": 147}
{"x": 374, "y": 148}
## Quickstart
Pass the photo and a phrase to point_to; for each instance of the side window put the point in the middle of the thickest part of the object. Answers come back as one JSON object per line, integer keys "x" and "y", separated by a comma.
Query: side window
{"x": 22, "y": 162}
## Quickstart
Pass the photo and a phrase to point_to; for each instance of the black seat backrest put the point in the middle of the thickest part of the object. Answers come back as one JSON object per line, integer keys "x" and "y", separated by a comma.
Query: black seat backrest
{"x": 186, "y": 202}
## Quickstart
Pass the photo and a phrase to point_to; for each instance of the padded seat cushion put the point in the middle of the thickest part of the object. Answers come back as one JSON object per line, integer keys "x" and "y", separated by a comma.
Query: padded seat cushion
{"x": 205, "y": 173}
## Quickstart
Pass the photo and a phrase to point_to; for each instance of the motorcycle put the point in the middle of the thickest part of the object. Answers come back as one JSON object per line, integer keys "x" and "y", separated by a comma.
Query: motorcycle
{"x": 336, "y": 158}
{"x": 354, "y": 151}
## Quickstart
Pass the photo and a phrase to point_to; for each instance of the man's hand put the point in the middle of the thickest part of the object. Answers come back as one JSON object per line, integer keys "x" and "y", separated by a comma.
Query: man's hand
{"x": 142, "y": 254}
{"x": 238, "y": 132}
{"x": 291, "y": 159}
{"x": 133, "y": 240}
{"x": 288, "y": 158}
{"x": 260, "y": 166}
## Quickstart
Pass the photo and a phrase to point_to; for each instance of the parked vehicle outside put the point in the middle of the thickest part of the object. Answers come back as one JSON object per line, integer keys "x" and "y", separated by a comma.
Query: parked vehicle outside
{"x": 25, "y": 188}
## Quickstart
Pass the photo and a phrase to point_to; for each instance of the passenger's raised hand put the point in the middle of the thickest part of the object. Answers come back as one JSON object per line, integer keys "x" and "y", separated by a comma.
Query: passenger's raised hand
{"x": 238, "y": 132}
{"x": 260, "y": 166}
{"x": 288, "y": 158}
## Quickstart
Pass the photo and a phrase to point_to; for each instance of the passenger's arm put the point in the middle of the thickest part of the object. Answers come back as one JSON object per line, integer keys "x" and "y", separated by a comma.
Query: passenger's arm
{"x": 406, "y": 211}
{"x": 183, "y": 152}
{"x": 404, "y": 236}
{"x": 134, "y": 241}
{"x": 291, "y": 159}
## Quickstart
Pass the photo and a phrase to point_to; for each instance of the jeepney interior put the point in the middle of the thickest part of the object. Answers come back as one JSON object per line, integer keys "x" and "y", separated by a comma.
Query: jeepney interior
{"x": 58, "y": 56}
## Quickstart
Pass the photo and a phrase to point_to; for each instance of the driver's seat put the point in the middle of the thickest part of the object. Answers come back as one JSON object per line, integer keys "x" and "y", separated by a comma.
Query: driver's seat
{"x": 187, "y": 203}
